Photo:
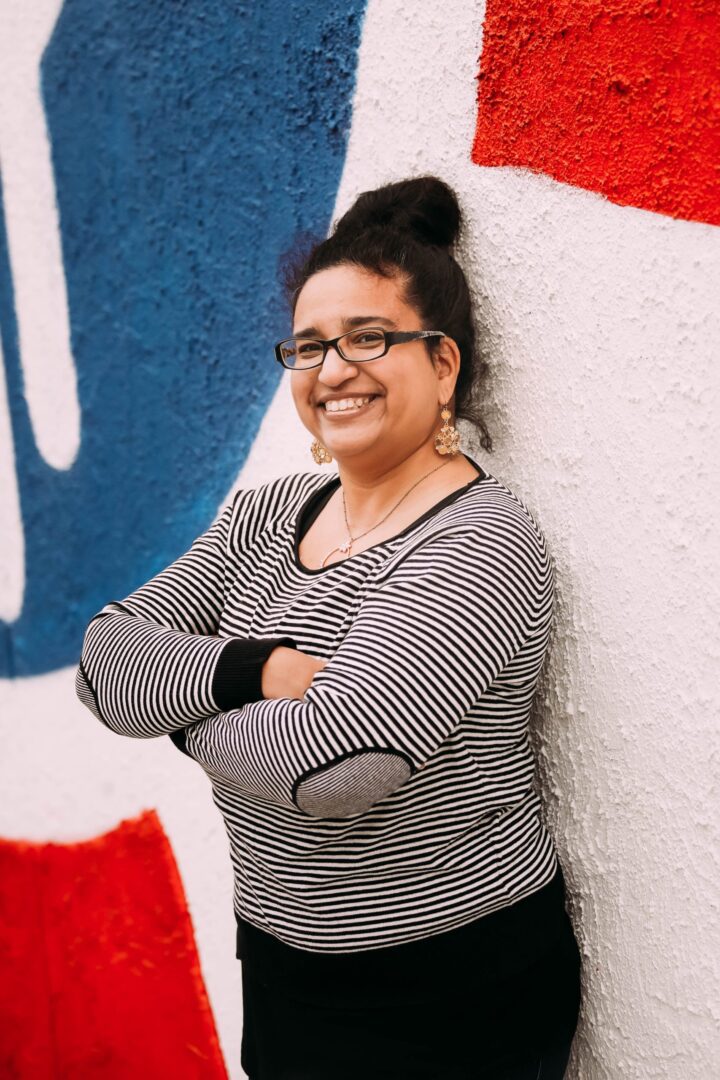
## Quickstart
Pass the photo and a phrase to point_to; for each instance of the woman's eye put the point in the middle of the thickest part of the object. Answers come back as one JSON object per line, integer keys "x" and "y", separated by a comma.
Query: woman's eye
{"x": 367, "y": 337}
{"x": 309, "y": 348}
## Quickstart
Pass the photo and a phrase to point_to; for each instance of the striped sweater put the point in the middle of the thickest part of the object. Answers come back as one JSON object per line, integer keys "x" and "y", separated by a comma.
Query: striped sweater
{"x": 395, "y": 800}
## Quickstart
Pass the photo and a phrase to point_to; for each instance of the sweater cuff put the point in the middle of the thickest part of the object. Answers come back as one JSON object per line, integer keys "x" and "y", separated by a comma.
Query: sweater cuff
{"x": 238, "y": 674}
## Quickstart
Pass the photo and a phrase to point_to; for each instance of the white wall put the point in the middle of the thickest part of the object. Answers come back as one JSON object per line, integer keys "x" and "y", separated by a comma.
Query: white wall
{"x": 605, "y": 345}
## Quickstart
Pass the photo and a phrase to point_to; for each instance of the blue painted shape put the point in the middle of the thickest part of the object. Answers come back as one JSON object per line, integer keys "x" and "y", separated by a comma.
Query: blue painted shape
{"x": 191, "y": 142}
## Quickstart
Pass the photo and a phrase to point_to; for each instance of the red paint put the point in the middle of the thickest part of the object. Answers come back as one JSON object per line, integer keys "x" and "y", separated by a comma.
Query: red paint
{"x": 620, "y": 97}
{"x": 99, "y": 972}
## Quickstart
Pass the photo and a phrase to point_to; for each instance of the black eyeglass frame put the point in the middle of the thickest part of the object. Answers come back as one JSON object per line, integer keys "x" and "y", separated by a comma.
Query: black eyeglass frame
{"x": 392, "y": 337}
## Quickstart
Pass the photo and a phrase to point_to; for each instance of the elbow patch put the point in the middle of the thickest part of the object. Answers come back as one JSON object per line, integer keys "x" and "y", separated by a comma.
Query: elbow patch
{"x": 351, "y": 784}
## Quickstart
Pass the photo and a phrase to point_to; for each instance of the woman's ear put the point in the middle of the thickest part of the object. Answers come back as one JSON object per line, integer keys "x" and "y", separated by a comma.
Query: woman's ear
{"x": 446, "y": 360}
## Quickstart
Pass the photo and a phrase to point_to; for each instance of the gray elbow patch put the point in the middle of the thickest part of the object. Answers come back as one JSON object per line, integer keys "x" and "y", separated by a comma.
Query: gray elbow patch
{"x": 352, "y": 784}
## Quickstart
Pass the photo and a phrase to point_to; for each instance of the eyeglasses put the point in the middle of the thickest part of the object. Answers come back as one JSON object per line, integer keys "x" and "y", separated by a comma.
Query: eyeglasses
{"x": 356, "y": 346}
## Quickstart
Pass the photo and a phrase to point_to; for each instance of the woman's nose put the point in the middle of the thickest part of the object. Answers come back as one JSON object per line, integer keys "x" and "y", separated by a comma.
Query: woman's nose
{"x": 334, "y": 369}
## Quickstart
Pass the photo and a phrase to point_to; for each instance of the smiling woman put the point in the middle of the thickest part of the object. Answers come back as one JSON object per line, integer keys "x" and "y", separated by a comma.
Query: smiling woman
{"x": 352, "y": 661}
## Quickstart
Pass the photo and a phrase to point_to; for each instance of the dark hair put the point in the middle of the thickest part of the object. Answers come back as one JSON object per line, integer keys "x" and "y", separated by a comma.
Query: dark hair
{"x": 408, "y": 228}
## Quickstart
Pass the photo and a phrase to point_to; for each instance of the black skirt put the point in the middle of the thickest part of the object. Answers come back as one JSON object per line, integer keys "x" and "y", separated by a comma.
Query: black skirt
{"x": 467, "y": 1004}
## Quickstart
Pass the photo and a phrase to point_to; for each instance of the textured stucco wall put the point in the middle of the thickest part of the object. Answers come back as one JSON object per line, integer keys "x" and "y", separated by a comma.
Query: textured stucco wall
{"x": 604, "y": 337}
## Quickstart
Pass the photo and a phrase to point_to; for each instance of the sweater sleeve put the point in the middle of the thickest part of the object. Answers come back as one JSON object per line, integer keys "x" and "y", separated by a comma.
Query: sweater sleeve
{"x": 425, "y": 644}
{"x": 152, "y": 663}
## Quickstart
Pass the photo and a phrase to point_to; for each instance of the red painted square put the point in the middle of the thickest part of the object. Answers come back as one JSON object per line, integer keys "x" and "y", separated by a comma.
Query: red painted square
{"x": 100, "y": 975}
{"x": 622, "y": 98}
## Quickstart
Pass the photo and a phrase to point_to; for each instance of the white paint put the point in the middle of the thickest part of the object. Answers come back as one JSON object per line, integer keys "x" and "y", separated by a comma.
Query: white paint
{"x": 603, "y": 337}
{"x": 31, "y": 218}
{"x": 34, "y": 250}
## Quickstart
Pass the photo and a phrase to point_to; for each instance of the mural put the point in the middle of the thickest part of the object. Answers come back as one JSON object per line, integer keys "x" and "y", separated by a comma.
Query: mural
{"x": 184, "y": 162}
{"x": 155, "y": 162}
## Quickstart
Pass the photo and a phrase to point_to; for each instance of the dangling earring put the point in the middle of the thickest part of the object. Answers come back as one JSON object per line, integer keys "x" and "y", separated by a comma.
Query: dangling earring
{"x": 320, "y": 453}
{"x": 447, "y": 440}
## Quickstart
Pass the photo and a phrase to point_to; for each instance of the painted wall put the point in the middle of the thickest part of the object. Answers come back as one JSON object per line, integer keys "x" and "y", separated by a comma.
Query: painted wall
{"x": 154, "y": 163}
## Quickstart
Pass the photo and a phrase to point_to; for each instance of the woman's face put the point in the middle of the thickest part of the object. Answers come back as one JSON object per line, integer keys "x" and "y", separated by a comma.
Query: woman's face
{"x": 407, "y": 387}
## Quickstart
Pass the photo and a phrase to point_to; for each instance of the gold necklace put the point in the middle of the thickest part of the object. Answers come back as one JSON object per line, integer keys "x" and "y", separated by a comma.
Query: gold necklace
{"x": 345, "y": 547}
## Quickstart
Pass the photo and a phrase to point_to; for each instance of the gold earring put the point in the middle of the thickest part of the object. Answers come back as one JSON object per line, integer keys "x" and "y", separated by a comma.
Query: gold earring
{"x": 320, "y": 453}
{"x": 447, "y": 440}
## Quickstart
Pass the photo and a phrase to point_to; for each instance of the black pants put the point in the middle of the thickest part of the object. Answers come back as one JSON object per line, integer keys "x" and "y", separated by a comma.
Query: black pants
{"x": 469, "y": 1019}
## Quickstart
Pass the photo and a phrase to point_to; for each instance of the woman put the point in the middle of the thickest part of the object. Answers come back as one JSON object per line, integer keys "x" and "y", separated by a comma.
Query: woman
{"x": 352, "y": 662}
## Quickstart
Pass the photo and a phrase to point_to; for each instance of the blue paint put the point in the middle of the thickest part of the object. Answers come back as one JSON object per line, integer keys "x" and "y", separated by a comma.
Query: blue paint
{"x": 191, "y": 142}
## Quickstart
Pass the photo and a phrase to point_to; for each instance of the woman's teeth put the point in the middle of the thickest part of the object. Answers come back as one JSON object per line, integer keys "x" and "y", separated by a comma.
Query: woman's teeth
{"x": 343, "y": 404}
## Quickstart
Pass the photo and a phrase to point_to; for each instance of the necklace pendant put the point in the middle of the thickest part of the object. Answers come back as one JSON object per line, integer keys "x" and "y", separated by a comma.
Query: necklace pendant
{"x": 345, "y": 547}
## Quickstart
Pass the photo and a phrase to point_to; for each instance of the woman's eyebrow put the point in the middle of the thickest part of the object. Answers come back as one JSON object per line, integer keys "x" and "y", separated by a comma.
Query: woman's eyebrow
{"x": 348, "y": 324}
{"x": 360, "y": 320}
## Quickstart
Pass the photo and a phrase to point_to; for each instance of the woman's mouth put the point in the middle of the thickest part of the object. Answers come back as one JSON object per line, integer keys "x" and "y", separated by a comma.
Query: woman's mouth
{"x": 348, "y": 406}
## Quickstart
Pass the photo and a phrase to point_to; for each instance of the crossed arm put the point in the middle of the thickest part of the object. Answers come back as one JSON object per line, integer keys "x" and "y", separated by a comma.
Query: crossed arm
{"x": 153, "y": 662}
{"x": 426, "y": 643}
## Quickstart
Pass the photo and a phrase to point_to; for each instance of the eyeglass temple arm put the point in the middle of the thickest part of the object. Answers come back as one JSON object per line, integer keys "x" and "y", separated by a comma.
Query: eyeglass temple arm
{"x": 400, "y": 336}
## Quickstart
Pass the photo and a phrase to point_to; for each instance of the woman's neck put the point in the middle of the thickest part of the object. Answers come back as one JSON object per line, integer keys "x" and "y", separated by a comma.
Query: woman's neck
{"x": 368, "y": 494}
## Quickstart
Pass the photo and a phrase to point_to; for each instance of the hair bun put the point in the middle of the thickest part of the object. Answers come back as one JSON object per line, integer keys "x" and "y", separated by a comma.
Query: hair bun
{"x": 424, "y": 206}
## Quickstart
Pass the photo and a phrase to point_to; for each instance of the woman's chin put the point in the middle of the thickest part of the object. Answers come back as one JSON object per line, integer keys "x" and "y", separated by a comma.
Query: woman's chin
{"x": 347, "y": 447}
{"x": 348, "y": 437}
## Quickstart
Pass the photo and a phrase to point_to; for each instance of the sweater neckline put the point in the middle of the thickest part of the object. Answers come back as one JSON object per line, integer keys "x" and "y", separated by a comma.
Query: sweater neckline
{"x": 322, "y": 495}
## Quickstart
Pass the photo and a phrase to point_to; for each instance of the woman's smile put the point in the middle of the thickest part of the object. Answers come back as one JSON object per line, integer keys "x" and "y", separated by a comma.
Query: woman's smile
{"x": 347, "y": 407}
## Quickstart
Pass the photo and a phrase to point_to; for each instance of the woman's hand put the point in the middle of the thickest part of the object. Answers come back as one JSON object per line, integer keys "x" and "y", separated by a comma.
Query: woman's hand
{"x": 287, "y": 673}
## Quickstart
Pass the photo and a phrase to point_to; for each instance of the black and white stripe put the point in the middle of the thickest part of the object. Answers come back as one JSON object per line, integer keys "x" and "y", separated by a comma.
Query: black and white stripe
{"x": 395, "y": 800}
